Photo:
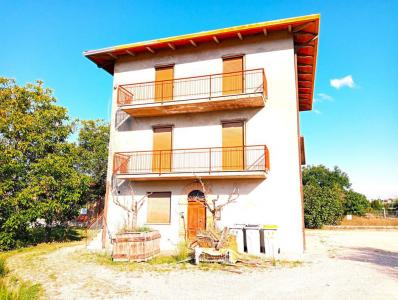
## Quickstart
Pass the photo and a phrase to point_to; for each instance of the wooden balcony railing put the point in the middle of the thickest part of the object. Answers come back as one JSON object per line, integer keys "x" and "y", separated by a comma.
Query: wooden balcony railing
{"x": 199, "y": 160}
{"x": 204, "y": 87}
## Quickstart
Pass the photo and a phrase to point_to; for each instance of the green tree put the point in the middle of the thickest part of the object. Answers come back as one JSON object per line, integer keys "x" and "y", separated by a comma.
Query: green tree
{"x": 377, "y": 205}
{"x": 322, "y": 205}
{"x": 355, "y": 203}
{"x": 39, "y": 176}
{"x": 324, "y": 195}
{"x": 324, "y": 177}
{"x": 93, "y": 156}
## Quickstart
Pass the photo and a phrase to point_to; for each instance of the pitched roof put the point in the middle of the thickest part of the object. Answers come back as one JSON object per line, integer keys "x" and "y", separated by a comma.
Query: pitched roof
{"x": 305, "y": 31}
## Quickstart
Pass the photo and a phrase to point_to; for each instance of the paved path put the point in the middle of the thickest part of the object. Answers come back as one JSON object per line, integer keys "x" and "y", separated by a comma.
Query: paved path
{"x": 360, "y": 264}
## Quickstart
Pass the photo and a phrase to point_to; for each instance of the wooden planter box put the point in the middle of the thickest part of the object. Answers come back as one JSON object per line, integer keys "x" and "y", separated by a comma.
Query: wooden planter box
{"x": 136, "y": 246}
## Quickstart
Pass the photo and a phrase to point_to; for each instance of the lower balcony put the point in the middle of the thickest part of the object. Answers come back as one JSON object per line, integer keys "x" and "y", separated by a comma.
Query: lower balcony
{"x": 178, "y": 164}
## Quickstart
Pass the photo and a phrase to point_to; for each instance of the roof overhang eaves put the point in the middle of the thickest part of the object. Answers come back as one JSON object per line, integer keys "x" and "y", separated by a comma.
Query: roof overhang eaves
{"x": 301, "y": 27}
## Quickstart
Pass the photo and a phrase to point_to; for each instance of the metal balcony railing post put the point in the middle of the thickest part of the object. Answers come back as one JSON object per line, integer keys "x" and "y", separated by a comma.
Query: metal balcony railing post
{"x": 160, "y": 161}
{"x": 265, "y": 157}
{"x": 209, "y": 160}
{"x": 210, "y": 88}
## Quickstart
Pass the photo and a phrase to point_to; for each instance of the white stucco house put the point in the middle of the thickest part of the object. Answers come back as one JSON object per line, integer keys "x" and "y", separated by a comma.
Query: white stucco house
{"x": 217, "y": 110}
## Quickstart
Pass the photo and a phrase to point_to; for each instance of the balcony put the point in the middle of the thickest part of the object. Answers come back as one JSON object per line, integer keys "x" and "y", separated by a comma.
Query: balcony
{"x": 224, "y": 91}
{"x": 177, "y": 164}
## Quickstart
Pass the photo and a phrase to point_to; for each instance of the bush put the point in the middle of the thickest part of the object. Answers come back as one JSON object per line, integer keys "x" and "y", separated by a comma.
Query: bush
{"x": 355, "y": 203}
{"x": 322, "y": 206}
{"x": 377, "y": 205}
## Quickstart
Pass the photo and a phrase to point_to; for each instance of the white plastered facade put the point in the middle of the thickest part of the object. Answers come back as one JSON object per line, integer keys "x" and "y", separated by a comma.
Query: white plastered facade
{"x": 274, "y": 200}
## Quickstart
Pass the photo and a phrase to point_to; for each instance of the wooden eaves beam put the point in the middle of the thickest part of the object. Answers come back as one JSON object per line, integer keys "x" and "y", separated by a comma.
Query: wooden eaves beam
{"x": 301, "y": 27}
{"x": 150, "y": 49}
{"x": 171, "y": 46}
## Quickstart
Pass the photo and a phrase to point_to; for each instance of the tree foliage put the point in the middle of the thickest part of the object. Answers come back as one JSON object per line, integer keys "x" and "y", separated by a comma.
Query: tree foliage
{"x": 322, "y": 205}
{"x": 41, "y": 177}
{"x": 93, "y": 155}
{"x": 326, "y": 178}
{"x": 377, "y": 205}
{"x": 328, "y": 195}
{"x": 355, "y": 203}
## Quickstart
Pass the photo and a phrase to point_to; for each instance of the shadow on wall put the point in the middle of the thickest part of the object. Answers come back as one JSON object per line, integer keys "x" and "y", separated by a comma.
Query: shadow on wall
{"x": 253, "y": 44}
{"x": 385, "y": 261}
{"x": 125, "y": 122}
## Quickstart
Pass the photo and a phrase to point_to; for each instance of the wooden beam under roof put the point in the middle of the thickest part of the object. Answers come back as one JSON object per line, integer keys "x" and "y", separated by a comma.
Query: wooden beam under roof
{"x": 301, "y": 27}
{"x": 112, "y": 55}
{"x": 171, "y": 46}
{"x": 150, "y": 49}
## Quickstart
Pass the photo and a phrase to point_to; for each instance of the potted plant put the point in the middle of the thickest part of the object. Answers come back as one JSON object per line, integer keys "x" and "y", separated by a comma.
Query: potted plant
{"x": 134, "y": 243}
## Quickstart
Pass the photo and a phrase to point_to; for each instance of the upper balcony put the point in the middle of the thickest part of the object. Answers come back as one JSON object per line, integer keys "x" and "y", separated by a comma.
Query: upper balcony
{"x": 177, "y": 164}
{"x": 213, "y": 92}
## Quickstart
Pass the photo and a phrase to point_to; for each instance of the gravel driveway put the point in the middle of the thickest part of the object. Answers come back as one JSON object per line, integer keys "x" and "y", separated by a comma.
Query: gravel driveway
{"x": 360, "y": 264}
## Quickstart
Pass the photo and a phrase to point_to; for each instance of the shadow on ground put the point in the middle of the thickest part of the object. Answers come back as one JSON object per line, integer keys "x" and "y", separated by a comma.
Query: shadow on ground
{"x": 385, "y": 261}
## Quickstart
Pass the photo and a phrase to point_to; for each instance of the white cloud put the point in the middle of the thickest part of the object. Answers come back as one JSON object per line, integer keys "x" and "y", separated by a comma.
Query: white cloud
{"x": 316, "y": 111}
{"x": 342, "y": 82}
{"x": 322, "y": 96}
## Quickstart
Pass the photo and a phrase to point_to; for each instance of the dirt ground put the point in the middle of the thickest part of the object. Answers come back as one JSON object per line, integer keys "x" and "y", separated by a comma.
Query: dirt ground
{"x": 361, "y": 264}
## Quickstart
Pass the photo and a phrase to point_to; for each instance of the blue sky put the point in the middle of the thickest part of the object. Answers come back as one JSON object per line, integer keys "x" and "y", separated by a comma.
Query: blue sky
{"x": 354, "y": 126}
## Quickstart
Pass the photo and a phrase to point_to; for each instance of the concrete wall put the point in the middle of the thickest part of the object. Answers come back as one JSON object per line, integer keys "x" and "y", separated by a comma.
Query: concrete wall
{"x": 275, "y": 200}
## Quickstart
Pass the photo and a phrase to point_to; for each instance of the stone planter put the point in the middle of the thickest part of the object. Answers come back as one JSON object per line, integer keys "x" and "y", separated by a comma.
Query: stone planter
{"x": 136, "y": 246}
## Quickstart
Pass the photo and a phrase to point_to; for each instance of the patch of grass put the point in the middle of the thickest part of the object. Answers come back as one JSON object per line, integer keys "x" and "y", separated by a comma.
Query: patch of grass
{"x": 364, "y": 221}
{"x": 3, "y": 267}
{"x": 13, "y": 289}
{"x": 160, "y": 263}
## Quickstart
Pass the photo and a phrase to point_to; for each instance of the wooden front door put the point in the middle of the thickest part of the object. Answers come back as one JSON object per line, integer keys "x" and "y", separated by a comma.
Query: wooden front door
{"x": 196, "y": 218}
{"x": 164, "y": 84}
{"x": 232, "y": 81}
{"x": 162, "y": 149}
{"x": 233, "y": 146}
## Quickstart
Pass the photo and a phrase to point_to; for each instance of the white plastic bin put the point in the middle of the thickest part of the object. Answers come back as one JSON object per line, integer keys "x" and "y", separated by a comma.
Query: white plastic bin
{"x": 237, "y": 231}
{"x": 253, "y": 239}
{"x": 269, "y": 241}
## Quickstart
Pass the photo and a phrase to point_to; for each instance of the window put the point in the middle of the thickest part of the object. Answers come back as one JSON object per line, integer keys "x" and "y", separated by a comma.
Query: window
{"x": 158, "y": 208}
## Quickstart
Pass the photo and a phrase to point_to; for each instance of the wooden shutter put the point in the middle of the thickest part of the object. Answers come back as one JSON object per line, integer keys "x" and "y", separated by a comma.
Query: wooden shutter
{"x": 233, "y": 146}
{"x": 164, "y": 83}
{"x": 232, "y": 82}
{"x": 158, "y": 208}
{"x": 162, "y": 146}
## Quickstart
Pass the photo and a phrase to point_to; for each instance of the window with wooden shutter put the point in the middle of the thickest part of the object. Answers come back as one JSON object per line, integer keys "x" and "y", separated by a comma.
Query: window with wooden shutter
{"x": 158, "y": 208}
{"x": 232, "y": 82}
{"x": 162, "y": 146}
{"x": 164, "y": 83}
{"x": 233, "y": 146}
